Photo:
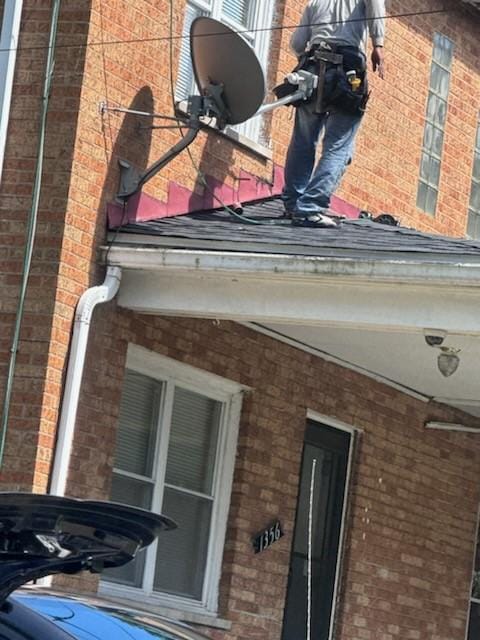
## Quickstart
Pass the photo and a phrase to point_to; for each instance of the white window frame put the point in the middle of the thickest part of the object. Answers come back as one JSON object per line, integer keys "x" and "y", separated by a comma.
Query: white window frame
{"x": 261, "y": 18}
{"x": 170, "y": 373}
{"x": 12, "y": 12}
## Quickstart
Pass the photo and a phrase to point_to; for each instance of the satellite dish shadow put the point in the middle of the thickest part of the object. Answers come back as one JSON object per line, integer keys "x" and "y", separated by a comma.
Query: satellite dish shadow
{"x": 132, "y": 143}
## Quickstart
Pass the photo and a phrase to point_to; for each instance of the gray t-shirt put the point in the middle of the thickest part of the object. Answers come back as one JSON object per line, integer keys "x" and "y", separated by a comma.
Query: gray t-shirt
{"x": 340, "y": 22}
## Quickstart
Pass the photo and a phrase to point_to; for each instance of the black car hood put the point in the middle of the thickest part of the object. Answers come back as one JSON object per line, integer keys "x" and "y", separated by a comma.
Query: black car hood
{"x": 41, "y": 535}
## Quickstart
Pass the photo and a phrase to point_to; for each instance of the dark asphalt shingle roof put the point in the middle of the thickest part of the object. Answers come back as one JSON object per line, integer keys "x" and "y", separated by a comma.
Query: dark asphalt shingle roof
{"x": 217, "y": 229}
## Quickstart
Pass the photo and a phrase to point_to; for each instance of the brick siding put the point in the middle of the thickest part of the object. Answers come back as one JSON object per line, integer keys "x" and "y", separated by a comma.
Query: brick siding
{"x": 397, "y": 556}
{"x": 413, "y": 498}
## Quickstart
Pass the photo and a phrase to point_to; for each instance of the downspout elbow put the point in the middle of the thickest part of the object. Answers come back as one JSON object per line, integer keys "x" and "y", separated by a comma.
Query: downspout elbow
{"x": 83, "y": 316}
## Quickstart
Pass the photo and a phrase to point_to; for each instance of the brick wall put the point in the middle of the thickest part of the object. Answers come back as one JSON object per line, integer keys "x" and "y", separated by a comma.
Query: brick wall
{"x": 414, "y": 492}
{"x": 83, "y": 146}
{"x": 428, "y": 494}
{"x": 49, "y": 303}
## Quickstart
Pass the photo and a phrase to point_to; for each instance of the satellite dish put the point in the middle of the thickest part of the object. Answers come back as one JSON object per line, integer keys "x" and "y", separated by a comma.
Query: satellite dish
{"x": 232, "y": 88}
{"x": 222, "y": 58}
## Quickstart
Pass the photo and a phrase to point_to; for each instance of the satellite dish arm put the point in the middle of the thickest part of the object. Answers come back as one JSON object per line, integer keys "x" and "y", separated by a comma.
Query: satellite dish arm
{"x": 306, "y": 82}
{"x": 293, "y": 97}
{"x": 131, "y": 183}
{"x": 187, "y": 139}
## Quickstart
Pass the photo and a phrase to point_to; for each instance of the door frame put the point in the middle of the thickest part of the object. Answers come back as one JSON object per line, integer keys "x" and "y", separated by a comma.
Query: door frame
{"x": 354, "y": 432}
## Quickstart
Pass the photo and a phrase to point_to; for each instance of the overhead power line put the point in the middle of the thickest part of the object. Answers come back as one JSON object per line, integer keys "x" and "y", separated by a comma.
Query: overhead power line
{"x": 170, "y": 38}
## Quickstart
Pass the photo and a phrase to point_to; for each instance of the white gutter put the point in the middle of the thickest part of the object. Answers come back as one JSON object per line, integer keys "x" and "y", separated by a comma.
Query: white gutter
{"x": 454, "y": 271}
{"x": 83, "y": 316}
{"x": 12, "y": 12}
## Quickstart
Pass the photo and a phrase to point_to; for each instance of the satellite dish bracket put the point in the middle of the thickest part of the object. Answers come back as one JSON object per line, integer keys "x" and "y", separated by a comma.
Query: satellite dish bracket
{"x": 215, "y": 104}
{"x": 131, "y": 181}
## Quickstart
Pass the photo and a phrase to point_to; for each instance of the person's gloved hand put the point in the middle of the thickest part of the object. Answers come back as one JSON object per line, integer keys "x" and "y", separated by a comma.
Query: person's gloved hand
{"x": 378, "y": 61}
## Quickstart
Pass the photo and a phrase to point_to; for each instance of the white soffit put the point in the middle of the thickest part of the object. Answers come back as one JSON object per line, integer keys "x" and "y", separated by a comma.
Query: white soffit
{"x": 365, "y": 315}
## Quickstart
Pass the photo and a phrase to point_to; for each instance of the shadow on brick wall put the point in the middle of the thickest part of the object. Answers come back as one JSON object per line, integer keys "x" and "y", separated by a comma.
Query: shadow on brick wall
{"x": 132, "y": 143}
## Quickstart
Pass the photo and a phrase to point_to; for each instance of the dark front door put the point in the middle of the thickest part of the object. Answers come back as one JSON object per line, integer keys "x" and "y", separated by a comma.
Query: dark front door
{"x": 320, "y": 502}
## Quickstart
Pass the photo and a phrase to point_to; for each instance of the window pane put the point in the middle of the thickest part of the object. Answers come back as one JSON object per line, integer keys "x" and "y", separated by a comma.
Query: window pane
{"x": 431, "y": 203}
{"x": 474, "y": 624}
{"x": 137, "y": 424}
{"x": 472, "y": 224}
{"x": 237, "y": 10}
{"x": 425, "y": 166}
{"x": 422, "y": 196}
{"x": 475, "y": 196}
{"x": 132, "y": 492}
{"x": 185, "y": 82}
{"x": 182, "y": 553}
{"x": 135, "y": 494}
{"x": 428, "y": 136}
{"x": 440, "y": 80}
{"x": 442, "y": 50}
{"x": 437, "y": 143}
{"x": 476, "y": 166}
{"x": 434, "y": 177}
{"x": 436, "y": 110}
{"x": 193, "y": 441}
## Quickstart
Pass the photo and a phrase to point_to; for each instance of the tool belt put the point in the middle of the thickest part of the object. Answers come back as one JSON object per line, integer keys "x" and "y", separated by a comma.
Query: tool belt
{"x": 334, "y": 92}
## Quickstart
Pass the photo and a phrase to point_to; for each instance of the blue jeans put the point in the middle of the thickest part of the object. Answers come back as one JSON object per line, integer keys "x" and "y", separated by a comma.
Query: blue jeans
{"x": 308, "y": 190}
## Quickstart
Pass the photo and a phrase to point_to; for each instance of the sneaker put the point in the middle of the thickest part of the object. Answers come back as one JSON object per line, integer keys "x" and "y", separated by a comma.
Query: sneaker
{"x": 314, "y": 220}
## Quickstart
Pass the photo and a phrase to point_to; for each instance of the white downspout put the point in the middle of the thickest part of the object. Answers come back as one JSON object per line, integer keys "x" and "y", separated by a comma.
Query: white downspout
{"x": 83, "y": 316}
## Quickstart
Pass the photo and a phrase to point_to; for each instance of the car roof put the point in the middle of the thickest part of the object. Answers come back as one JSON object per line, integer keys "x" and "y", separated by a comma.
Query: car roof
{"x": 92, "y": 614}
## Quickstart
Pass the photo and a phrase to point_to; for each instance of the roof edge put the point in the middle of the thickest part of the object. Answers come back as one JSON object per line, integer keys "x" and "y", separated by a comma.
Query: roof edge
{"x": 295, "y": 267}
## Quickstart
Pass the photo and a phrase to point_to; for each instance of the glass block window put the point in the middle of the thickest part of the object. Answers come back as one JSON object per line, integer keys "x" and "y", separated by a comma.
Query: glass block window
{"x": 473, "y": 225}
{"x": 435, "y": 118}
{"x": 174, "y": 455}
{"x": 240, "y": 15}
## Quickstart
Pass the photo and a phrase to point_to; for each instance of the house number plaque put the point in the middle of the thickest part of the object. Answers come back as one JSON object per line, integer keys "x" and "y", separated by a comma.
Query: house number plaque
{"x": 267, "y": 537}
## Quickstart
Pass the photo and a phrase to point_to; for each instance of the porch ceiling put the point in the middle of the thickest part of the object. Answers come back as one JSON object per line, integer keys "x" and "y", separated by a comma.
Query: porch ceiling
{"x": 361, "y": 296}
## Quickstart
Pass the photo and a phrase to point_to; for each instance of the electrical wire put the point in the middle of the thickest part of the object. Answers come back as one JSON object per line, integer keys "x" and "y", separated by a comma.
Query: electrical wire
{"x": 173, "y": 37}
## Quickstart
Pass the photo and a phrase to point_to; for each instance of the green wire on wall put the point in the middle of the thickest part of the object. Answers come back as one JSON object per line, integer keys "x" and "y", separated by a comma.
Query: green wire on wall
{"x": 31, "y": 227}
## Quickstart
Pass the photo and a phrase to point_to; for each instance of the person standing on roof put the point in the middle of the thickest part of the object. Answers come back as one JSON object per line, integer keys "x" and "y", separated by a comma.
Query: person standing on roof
{"x": 330, "y": 27}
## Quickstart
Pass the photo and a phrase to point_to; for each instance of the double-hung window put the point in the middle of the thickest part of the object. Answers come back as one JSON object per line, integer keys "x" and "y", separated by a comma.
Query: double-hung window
{"x": 473, "y": 226}
{"x": 175, "y": 454}
{"x": 436, "y": 116}
{"x": 251, "y": 18}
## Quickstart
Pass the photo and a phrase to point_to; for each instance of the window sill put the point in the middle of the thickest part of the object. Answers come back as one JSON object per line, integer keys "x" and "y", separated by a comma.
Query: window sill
{"x": 129, "y": 598}
{"x": 230, "y": 133}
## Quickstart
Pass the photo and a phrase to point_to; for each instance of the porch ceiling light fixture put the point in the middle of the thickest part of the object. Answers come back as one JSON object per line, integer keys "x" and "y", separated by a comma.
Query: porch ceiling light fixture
{"x": 448, "y": 361}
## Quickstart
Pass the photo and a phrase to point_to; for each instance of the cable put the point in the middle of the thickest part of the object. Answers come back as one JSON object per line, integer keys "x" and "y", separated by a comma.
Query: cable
{"x": 411, "y": 14}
